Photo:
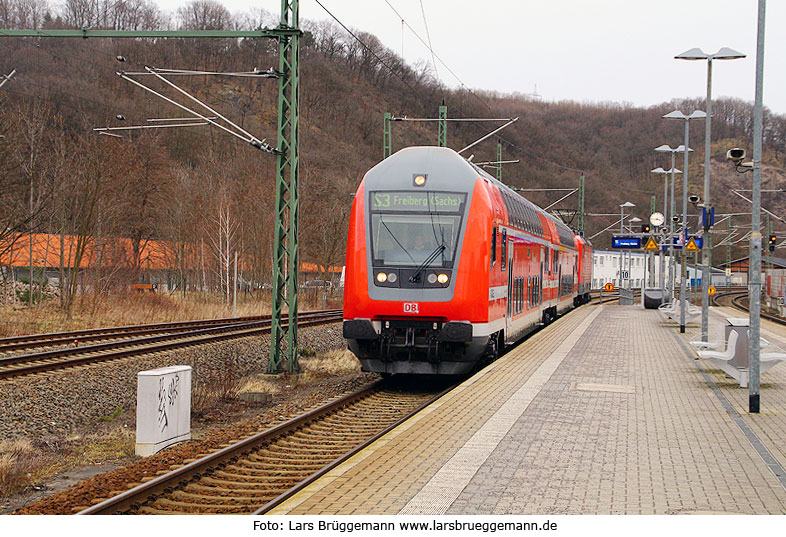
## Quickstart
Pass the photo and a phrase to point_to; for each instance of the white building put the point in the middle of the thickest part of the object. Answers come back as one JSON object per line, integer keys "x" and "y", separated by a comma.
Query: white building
{"x": 606, "y": 269}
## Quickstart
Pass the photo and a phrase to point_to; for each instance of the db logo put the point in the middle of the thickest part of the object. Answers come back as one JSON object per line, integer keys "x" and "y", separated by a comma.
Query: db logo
{"x": 410, "y": 307}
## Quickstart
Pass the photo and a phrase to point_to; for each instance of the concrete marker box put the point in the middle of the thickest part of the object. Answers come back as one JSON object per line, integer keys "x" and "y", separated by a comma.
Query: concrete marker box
{"x": 163, "y": 408}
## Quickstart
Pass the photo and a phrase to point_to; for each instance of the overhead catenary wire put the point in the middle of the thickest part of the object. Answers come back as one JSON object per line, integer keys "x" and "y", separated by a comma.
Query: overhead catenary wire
{"x": 447, "y": 67}
{"x": 6, "y": 78}
{"x": 428, "y": 36}
{"x": 246, "y": 136}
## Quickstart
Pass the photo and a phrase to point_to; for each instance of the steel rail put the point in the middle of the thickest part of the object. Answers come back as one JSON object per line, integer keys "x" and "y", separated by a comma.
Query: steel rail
{"x": 98, "y": 334}
{"x": 117, "y": 329}
{"x": 146, "y": 346}
{"x": 133, "y": 499}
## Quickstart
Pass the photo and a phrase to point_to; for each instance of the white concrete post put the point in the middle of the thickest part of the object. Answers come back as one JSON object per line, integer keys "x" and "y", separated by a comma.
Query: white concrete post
{"x": 163, "y": 408}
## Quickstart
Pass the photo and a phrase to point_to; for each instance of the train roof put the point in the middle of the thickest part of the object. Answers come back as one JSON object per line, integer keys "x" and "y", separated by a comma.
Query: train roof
{"x": 448, "y": 163}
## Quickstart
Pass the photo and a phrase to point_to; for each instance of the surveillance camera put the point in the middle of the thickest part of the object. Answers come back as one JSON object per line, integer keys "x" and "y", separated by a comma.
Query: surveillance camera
{"x": 735, "y": 155}
{"x": 694, "y": 199}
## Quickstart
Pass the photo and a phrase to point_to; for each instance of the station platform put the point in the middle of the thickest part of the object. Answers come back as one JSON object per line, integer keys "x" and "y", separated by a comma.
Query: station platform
{"x": 605, "y": 411}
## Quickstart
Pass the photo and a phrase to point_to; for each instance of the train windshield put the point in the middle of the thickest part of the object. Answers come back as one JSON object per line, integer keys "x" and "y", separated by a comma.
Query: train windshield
{"x": 408, "y": 228}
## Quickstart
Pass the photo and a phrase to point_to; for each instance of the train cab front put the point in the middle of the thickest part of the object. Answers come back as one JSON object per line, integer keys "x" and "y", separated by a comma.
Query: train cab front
{"x": 403, "y": 307}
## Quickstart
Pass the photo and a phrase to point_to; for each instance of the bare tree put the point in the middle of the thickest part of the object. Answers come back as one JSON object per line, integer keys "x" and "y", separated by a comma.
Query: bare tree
{"x": 205, "y": 15}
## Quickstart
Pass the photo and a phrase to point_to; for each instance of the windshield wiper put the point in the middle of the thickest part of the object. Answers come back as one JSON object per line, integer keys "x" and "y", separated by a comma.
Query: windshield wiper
{"x": 430, "y": 259}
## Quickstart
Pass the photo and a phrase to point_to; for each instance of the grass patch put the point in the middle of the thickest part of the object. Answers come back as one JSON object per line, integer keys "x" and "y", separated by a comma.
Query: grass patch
{"x": 314, "y": 367}
{"x": 96, "y": 449}
{"x": 24, "y": 464}
{"x": 113, "y": 416}
{"x": 19, "y": 465}
{"x": 122, "y": 308}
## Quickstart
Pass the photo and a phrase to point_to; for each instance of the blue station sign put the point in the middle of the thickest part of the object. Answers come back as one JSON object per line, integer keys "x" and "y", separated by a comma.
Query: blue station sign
{"x": 628, "y": 243}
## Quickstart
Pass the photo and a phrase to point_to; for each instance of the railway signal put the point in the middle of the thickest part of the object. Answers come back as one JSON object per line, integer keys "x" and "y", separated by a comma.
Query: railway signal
{"x": 773, "y": 238}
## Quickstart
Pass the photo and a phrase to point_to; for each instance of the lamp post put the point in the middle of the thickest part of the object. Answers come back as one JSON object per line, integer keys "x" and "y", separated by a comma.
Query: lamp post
{"x": 683, "y": 272}
{"x": 725, "y": 53}
{"x": 667, "y": 217}
{"x": 754, "y": 289}
{"x": 622, "y": 230}
{"x": 632, "y": 221}
{"x": 672, "y": 262}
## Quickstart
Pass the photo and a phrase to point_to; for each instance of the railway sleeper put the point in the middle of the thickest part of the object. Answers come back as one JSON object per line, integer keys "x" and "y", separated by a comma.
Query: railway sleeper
{"x": 242, "y": 476}
{"x": 255, "y": 499}
{"x": 368, "y": 430}
{"x": 277, "y": 467}
{"x": 325, "y": 437}
{"x": 242, "y": 468}
{"x": 278, "y": 462}
{"x": 300, "y": 450}
{"x": 233, "y": 482}
{"x": 164, "y": 506}
{"x": 229, "y": 491}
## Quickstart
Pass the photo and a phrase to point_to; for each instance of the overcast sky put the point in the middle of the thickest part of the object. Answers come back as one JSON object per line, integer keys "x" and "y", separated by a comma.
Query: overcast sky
{"x": 582, "y": 50}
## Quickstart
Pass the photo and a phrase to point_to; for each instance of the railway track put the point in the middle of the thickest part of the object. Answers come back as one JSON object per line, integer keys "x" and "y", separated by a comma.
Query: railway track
{"x": 259, "y": 472}
{"x": 79, "y": 337}
{"x": 739, "y": 299}
{"x": 187, "y": 335}
{"x": 611, "y": 297}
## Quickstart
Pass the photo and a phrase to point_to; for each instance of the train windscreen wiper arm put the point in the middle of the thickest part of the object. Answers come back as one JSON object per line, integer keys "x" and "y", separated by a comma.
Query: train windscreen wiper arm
{"x": 430, "y": 259}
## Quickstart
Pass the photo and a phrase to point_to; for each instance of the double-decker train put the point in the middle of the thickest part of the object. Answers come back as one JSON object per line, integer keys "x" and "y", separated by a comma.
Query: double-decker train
{"x": 445, "y": 265}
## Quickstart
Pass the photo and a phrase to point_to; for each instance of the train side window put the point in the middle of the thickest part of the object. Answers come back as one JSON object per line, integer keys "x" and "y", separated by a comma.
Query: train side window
{"x": 493, "y": 245}
{"x": 546, "y": 257}
{"x": 503, "y": 258}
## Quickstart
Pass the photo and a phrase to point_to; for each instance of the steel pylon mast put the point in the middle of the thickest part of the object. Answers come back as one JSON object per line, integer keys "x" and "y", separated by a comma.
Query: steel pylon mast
{"x": 283, "y": 337}
{"x": 499, "y": 161}
{"x": 285, "y": 262}
{"x": 580, "y": 221}
{"x": 387, "y": 145}
{"x": 442, "y": 133}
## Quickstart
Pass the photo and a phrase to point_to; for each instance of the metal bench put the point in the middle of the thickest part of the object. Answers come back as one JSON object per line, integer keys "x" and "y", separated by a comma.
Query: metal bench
{"x": 724, "y": 359}
{"x": 672, "y": 311}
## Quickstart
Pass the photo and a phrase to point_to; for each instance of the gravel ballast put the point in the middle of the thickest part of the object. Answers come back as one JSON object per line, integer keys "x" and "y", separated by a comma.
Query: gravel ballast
{"x": 61, "y": 402}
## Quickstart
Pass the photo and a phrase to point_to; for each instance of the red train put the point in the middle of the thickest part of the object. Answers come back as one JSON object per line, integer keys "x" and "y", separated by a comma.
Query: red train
{"x": 445, "y": 265}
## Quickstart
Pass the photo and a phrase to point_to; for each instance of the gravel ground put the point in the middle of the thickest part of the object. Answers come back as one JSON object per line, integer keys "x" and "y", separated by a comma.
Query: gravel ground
{"x": 286, "y": 406}
{"x": 62, "y": 402}
{"x": 51, "y": 407}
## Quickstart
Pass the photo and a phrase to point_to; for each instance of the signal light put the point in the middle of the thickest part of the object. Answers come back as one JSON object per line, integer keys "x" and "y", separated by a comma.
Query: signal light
{"x": 645, "y": 228}
{"x": 773, "y": 238}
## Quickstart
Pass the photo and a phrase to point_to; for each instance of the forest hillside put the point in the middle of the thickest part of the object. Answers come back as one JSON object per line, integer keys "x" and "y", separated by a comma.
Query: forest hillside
{"x": 205, "y": 191}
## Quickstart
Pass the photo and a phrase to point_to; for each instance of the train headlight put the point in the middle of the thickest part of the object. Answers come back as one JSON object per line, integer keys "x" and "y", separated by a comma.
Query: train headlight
{"x": 392, "y": 277}
{"x": 419, "y": 180}
{"x": 382, "y": 277}
{"x": 443, "y": 279}
{"x": 432, "y": 278}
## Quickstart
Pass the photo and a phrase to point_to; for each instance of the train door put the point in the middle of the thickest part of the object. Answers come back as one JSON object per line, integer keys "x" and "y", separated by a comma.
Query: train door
{"x": 509, "y": 252}
{"x": 540, "y": 282}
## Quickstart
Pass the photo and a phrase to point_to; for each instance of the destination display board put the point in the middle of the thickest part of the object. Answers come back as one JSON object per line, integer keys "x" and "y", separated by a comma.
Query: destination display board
{"x": 443, "y": 202}
{"x": 626, "y": 242}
